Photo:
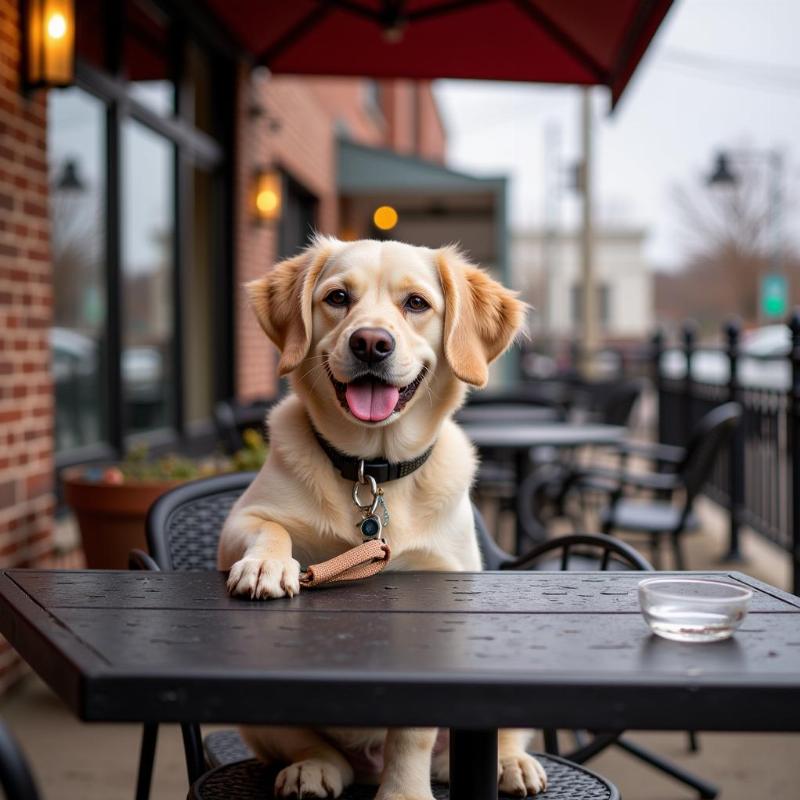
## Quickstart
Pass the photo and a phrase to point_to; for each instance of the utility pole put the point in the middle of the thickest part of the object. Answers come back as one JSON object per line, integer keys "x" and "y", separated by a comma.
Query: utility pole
{"x": 776, "y": 211}
{"x": 589, "y": 337}
{"x": 552, "y": 202}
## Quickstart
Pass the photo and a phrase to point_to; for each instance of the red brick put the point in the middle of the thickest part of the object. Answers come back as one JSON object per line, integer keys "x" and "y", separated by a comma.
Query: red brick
{"x": 8, "y": 494}
{"x": 41, "y": 483}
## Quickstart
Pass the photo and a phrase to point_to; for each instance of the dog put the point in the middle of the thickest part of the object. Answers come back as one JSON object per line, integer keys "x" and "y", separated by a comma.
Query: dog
{"x": 381, "y": 341}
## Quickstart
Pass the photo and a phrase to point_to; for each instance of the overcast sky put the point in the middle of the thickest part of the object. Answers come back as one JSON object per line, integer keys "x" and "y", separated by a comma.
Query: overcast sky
{"x": 719, "y": 73}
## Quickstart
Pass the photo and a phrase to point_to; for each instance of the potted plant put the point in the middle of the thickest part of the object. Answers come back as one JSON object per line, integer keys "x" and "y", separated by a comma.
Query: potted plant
{"x": 111, "y": 501}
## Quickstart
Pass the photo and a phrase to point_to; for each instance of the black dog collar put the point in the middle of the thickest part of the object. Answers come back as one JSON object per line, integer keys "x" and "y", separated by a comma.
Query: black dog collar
{"x": 378, "y": 468}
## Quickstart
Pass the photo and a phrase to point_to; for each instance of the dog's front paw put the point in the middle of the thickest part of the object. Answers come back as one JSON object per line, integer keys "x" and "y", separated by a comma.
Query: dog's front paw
{"x": 521, "y": 775}
{"x": 309, "y": 778}
{"x": 263, "y": 578}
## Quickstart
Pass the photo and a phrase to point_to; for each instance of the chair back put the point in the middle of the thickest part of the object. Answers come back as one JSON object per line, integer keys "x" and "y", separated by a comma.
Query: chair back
{"x": 595, "y": 551}
{"x": 492, "y": 555}
{"x": 616, "y": 407}
{"x": 708, "y": 437}
{"x": 232, "y": 418}
{"x": 183, "y": 525}
{"x": 15, "y": 774}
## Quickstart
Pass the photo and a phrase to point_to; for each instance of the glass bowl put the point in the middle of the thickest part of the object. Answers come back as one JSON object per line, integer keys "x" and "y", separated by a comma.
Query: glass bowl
{"x": 691, "y": 609}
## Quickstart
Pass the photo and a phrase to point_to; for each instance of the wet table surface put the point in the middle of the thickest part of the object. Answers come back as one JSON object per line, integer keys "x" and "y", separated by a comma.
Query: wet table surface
{"x": 567, "y": 650}
{"x": 506, "y": 414}
{"x": 543, "y": 434}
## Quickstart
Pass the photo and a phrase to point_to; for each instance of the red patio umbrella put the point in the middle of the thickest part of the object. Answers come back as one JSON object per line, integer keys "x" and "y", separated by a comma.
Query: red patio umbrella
{"x": 587, "y": 42}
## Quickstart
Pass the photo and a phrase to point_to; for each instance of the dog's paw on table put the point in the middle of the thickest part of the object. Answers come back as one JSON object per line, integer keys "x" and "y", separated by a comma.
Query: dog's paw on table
{"x": 521, "y": 775}
{"x": 266, "y": 578}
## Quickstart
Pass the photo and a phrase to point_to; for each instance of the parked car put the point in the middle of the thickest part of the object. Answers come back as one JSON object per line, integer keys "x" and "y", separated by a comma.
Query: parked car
{"x": 76, "y": 360}
{"x": 763, "y": 363}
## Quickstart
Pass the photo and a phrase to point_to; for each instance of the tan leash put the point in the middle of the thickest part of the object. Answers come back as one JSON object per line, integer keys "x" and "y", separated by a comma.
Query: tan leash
{"x": 363, "y": 561}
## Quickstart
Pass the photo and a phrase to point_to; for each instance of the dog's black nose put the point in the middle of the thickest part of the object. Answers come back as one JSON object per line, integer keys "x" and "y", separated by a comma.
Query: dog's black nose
{"x": 371, "y": 344}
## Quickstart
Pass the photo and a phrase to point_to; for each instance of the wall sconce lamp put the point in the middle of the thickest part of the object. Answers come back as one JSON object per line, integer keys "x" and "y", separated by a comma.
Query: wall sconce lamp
{"x": 48, "y": 34}
{"x": 267, "y": 195}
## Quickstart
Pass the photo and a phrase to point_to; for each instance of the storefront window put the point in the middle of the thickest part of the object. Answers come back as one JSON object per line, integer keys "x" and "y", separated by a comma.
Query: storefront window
{"x": 148, "y": 204}
{"x": 76, "y": 143}
{"x": 140, "y": 229}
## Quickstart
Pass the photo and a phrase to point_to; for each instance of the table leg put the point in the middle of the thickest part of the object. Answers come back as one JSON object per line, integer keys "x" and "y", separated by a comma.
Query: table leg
{"x": 522, "y": 466}
{"x": 473, "y": 764}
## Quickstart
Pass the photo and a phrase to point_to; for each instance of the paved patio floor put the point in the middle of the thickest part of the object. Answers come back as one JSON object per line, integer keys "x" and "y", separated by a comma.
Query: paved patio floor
{"x": 75, "y": 761}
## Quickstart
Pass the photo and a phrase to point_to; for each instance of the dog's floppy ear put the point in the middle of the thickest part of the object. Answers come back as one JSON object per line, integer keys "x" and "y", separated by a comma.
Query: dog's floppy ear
{"x": 481, "y": 317}
{"x": 282, "y": 303}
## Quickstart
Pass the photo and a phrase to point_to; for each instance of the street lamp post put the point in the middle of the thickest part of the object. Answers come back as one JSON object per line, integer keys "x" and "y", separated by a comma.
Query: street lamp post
{"x": 723, "y": 174}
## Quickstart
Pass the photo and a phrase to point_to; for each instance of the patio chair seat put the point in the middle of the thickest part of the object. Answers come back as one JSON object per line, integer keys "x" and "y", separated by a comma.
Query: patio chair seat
{"x": 226, "y": 747}
{"x": 648, "y": 516}
{"x": 252, "y": 780}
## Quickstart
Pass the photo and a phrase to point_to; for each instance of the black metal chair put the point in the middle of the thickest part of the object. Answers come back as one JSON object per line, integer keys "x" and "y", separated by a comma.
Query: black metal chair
{"x": 610, "y": 403}
{"x": 16, "y": 778}
{"x": 232, "y": 419}
{"x": 588, "y": 551}
{"x": 671, "y": 513}
{"x": 183, "y": 528}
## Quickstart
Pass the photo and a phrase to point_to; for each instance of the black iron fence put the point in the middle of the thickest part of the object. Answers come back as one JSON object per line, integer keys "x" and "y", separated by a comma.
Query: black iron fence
{"x": 757, "y": 478}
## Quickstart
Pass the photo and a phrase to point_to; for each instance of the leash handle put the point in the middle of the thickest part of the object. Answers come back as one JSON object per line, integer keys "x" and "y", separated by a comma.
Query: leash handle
{"x": 363, "y": 561}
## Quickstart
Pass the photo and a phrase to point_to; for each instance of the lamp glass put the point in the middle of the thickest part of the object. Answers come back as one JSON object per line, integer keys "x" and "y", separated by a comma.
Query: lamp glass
{"x": 385, "y": 218}
{"x": 51, "y": 42}
{"x": 268, "y": 195}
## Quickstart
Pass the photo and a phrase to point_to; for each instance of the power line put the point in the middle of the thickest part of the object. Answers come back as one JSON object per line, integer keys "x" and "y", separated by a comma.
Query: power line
{"x": 739, "y": 81}
{"x": 763, "y": 73}
{"x": 724, "y": 62}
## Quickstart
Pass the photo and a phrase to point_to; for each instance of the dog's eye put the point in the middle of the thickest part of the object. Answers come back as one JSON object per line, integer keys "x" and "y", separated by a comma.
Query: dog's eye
{"x": 416, "y": 303}
{"x": 337, "y": 298}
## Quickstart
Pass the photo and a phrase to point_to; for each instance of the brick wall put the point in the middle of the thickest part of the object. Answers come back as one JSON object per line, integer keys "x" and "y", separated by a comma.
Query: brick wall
{"x": 432, "y": 137}
{"x": 26, "y": 417}
{"x": 399, "y": 100}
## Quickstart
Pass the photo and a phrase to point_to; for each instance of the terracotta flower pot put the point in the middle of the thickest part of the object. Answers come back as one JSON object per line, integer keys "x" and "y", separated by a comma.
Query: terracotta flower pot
{"x": 111, "y": 516}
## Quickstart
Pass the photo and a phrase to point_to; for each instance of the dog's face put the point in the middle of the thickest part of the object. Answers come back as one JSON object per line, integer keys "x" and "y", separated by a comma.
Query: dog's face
{"x": 377, "y": 327}
{"x": 374, "y": 326}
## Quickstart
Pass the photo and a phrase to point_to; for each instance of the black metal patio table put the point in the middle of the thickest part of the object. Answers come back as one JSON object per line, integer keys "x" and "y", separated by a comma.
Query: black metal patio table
{"x": 506, "y": 414}
{"x": 470, "y": 651}
{"x": 522, "y": 437}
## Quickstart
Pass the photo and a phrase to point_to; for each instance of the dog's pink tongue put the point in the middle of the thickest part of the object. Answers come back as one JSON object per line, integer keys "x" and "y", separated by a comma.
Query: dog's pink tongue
{"x": 371, "y": 401}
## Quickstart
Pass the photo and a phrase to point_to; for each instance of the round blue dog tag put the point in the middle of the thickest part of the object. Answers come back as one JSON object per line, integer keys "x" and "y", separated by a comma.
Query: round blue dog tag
{"x": 371, "y": 527}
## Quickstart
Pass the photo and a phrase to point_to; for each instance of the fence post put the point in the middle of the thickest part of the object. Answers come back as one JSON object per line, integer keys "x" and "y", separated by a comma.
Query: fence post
{"x": 656, "y": 352}
{"x": 794, "y": 445}
{"x": 689, "y": 339}
{"x": 736, "y": 447}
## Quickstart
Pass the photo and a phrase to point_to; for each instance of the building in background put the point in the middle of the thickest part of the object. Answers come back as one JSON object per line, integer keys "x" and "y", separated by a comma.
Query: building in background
{"x": 546, "y": 270}
{"x": 129, "y": 220}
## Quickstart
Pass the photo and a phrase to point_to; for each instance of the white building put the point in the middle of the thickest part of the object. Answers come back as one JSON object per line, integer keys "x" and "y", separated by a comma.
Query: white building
{"x": 546, "y": 269}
